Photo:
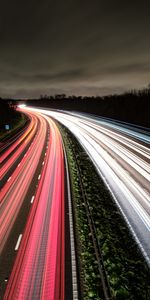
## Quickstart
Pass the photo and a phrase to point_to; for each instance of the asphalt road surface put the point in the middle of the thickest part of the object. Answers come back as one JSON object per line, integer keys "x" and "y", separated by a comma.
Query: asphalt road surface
{"x": 121, "y": 154}
{"x": 32, "y": 200}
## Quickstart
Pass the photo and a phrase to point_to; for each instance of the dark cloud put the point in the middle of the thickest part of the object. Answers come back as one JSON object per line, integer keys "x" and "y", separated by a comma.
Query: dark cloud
{"x": 73, "y": 46}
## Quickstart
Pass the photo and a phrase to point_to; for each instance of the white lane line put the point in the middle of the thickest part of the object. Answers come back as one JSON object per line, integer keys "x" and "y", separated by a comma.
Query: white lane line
{"x": 9, "y": 179}
{"x": 18, "y": 242}
{"x": 43, "y": 163}
{"x": 39, "y": 177}
{"x": 45, "y": 153}
{"x": 32, "y": 199}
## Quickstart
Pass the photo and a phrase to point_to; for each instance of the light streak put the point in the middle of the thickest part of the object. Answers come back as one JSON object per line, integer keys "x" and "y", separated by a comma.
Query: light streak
{"x": 121, "y": 155}
{"x": 38, "y": 271}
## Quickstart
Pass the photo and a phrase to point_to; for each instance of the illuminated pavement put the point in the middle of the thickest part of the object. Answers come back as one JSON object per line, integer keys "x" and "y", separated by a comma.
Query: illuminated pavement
{"x": 35, "y": 161}
{"x": 13, "y": 192}
{"x": 121, "y": 154}
{"x": 39, "y": 268}
{"x": 16, "y": 150}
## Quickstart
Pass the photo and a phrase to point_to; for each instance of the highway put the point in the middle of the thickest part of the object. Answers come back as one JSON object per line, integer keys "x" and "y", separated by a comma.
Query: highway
{"x": 36, "y": 162}
{"x": 121, "y": 154}
{"x": 37, "y": 247}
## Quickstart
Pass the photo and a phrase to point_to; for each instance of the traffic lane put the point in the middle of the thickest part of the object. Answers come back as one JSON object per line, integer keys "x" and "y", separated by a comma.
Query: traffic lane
{"x": 135, "y": 146}
{"x": 55, "y": 257}
{"x": 13, "y": 193}
{"x": 140, "y": 134}
{"x": 8, "y": 254}
{"x": 15, "y": 159}
{"x": 51, "y": 202}
{"x": 140, "y": 195}
{"x": 139, "y": 164}
{"x": 138, "y": 168}
{"x": 13, "y": 151}
{"x": 18, "y": 141}
{"x": 135, "y": 181}
{"x": 102, "y": 124}
{"x": 30, "y": 153}
{"x": 124, "y": 176}
{"x": 119, "y": 190}
{"x": 123, "y": 139}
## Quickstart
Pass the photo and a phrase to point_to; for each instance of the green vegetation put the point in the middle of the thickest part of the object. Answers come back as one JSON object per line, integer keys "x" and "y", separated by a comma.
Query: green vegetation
{"x": 16, "y": 125}
{"x": 15, "y": 120}
{"x": 126, "y": 270}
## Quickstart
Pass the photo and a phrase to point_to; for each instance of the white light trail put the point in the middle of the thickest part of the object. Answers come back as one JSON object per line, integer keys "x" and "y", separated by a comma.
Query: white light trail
{"x": 122, "y": 160}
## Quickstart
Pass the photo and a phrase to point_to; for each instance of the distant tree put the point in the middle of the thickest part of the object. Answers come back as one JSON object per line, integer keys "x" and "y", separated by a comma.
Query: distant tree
{"x": 60, "y": 96}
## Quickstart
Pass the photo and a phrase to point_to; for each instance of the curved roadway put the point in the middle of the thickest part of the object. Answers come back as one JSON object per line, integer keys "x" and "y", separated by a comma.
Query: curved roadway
{"x": 38, "y": 271}
{"x": 121, "y": 154}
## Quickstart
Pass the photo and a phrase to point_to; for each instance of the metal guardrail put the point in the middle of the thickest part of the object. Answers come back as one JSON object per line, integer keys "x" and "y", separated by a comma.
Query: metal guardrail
{"x": 72, "y": 240}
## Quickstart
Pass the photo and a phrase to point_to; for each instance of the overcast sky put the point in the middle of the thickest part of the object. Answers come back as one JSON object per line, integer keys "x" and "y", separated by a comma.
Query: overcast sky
{"x": 87, "y": 47}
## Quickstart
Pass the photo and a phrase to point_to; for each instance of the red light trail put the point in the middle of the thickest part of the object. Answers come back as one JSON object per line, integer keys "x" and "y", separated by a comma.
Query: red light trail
{"x": 38, "y": 271}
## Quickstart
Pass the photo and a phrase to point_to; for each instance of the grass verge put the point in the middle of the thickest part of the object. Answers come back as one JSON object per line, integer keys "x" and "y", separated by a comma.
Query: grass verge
{"x": 16, "y": 125}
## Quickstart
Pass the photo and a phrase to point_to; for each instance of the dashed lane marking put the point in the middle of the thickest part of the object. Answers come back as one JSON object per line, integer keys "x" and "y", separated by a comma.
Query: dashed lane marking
{"x": 18, "y": 242}
{"x": 32, "y": 199}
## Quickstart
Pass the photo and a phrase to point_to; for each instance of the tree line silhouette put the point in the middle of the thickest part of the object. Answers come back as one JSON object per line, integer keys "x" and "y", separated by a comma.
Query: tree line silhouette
{"x": 132, "y": 107}
{"x": 8, "y": 112}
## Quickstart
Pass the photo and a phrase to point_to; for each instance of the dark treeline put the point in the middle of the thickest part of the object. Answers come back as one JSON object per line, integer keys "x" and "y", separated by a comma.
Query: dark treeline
{"x": 132, "y": 107}
{"x": 8, "y": 112}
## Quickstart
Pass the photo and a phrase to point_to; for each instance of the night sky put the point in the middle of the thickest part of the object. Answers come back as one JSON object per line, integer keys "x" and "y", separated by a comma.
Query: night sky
{"x": 81, "y": 47}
